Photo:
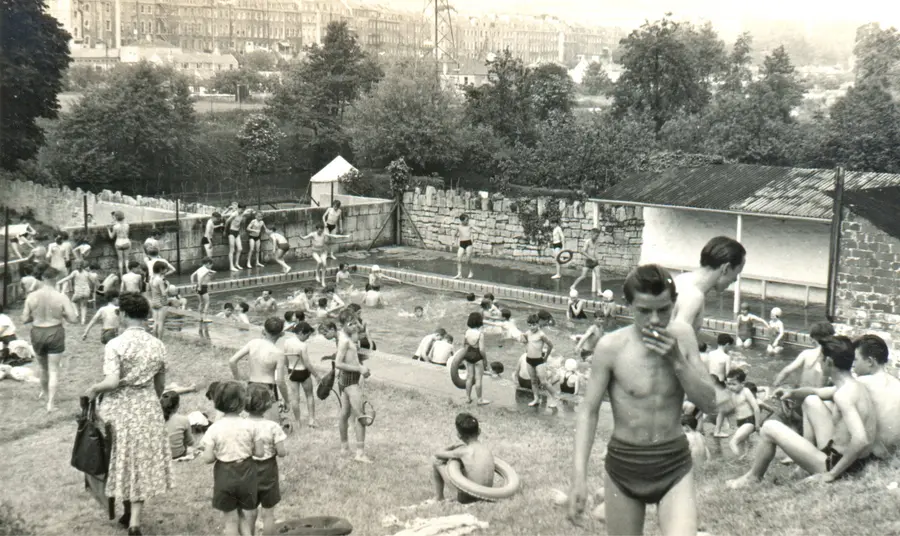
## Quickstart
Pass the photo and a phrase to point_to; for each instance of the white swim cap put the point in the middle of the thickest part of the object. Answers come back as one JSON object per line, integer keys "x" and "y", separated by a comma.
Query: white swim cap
{"x": 571, "y": 365}
{"x": 376, "y": 268}
{"x": 573, "y": 293}
{"x": 776, "y": 311}
{"x": 608, "y": 294}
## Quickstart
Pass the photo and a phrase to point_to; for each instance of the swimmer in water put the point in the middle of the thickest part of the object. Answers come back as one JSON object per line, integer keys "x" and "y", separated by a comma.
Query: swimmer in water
{"x": 745, "y": 321}
{"x": 776, "y": 332}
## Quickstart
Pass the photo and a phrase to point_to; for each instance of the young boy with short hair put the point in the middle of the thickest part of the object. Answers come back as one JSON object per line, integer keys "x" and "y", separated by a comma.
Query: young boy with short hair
{"x": 302, "y": 301}
{"x": 242, "y": 315}
{"x": 200, "y": 279}
{"x": 373, "y": 296}
{"x": 586, "y": 343}
{"x": 108, "y": 315}
{"x": 464, "y": 234}
{"x": 476, "y": 459}
{"x": 424, "y": 348}
{"x": 557, "y": 244}
{"x": 281, "y": 246}
{"x": 441, "y": 350}
{"x": 133, "y": 280}
{"x": 719, "y": 360}
{"x": 746, "y": 409}
{"x": 266, "y": 303}
{"x": 227, "y": 312}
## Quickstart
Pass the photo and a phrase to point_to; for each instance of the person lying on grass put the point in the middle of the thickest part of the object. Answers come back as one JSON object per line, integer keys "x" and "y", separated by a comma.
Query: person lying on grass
{"x": 476, "y": 458}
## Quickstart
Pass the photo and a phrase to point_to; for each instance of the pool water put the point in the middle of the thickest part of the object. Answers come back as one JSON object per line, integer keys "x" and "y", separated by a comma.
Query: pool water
{"x": 396, "y": 331}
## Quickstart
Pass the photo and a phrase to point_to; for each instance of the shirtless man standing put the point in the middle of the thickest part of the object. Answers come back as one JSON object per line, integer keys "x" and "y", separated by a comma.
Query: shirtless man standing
{"x": 349, "y": 379}
{"x": 268, "y": 364}
{"x": 646, "y": 369}
{"x": 46, "y": 308}
{"x": 721, "y": 262}
{"x": 871, "y": 357}
{"x": 843, "y": 442}
{"x": 589, "y": 251}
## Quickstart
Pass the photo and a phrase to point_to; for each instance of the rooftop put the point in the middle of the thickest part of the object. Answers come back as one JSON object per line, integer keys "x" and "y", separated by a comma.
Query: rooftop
{"x": 794, "y": 193}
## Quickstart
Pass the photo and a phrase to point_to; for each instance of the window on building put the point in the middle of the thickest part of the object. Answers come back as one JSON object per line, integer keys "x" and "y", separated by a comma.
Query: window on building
{"x": 108, "y": 25}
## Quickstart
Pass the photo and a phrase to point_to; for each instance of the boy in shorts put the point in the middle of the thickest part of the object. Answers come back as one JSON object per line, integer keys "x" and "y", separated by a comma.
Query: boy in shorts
{"x": 108, "y": 315}
{"x": 200, "y": 279}
{"x": 464, "y": 237}
{"x": 133, "y": 280}
{"x": 281, "y": 245}
{"x": 350, "y": 376}
{"x": 332, "y": 220}
{"x": 321, "y": 242}
{"x": 746, "y": 409}
{"x": 215, "y": 222}
{"x": 589, "y": 251}
{"x": 476, "y": 459}
{"x": 557, "y": 244}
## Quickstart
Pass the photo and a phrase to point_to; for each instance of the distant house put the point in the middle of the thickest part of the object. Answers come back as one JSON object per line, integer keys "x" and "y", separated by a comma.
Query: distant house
{"x": 200, "y": 65}
{"x": 470, "y": 72}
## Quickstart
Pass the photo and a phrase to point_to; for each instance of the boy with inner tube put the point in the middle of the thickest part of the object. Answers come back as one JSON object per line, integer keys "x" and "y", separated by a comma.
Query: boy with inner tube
{"x": 350, "y": 375}
{"x": 476, "y": 459}
{"x": 646, "y": 368}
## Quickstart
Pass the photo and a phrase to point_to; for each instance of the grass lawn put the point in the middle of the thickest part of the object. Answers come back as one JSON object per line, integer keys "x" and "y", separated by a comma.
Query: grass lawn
{"x": 42, "y": 487}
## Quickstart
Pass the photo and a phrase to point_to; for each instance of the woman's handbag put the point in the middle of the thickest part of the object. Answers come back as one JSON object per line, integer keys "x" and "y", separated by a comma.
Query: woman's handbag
{"x": 90, "y": 454}
{"x": 327, "y": 383}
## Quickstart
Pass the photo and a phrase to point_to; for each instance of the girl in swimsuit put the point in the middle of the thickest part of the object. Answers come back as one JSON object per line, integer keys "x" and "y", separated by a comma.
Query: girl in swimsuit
{"x": 473, "y": 353}
{"x": 83, "y": 287}
{"x": 158, "y": 297}
{"x": 745, "y": 320}
{"x": 775, "y": 332}
{"x": 255, "y": 229}
{"x": 537, "y": 347}
{"x": 575, "y": 309}
{"x": 119, "y": 233}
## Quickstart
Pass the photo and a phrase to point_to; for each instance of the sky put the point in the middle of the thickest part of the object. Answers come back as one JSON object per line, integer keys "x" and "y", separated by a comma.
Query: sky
{"x": 724, "y": 14}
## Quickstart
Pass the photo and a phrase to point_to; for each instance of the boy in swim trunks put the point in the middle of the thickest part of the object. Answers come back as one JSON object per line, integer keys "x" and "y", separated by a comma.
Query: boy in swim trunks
{"x": 133, "y": 280}
{"x": 589, "y": 251}
{"x": 464, "y": 233}
{"x": 213, "y": 223}
{"x": 255, "y": 230}
{"x": 332, "y": 220}
{"x": 476, "y": 459}
{"x": 320, "y": 245}
{"x": 441, "y": 350}
{"x": 108, "y": 315}
{"x": 557, "y": 243}
{"x": 746, "y": 410}
{"x": 200, "y": 279}
{"x": 267, "y": 364}
{"x": 234, "y": 224}
{"x": 537, "y": 347}
{"x": 585, "y": 346}
{"x": 281, "y": 245}
{"x": 350, "y": 377}
{"x": 266, "y": 302}
{"x": 646, "y": 368}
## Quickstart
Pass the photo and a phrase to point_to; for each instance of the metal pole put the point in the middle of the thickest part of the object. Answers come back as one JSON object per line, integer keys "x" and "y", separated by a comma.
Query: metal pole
{"x": 834, "y": 256}
{"x": 737, "y": 283}
{"x": 178, "y": 236}
{"x": 6, "y": 259}
{"x": 399, "y": 231}
{"x": 331, "y": 200}
{"x": 85, "y": 217}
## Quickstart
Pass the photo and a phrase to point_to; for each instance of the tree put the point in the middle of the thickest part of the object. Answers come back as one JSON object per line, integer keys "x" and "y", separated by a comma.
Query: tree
{"x": 708, "y": 52}
{"x": 227, "y": 82}
{"x": 410, "y": 116}
{"x": 258, "y": 139}
{"x": 864, "y": 130}
{"x": 134, "y": 135}
{"x": 877, "y": 54}
{"x": 34, "y": 55}
{"x": 660, "y": 77}
{"x": 596, "y": 81}
{"x": 82, "y": 77}
{"x": 550, "y": 89}
{"x": 258, "y": 60}
{"x": 779, "y": 79}
{"x": 503, "y": 104}
{"x": 737, "y": 74}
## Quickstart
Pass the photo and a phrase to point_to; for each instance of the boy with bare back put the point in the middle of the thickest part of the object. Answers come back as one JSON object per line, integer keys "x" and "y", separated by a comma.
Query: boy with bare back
{"x": 268, "y": 364}
{"x": 200, "y": 279}
{"x": 320, "y": 242}
{"x": 133, "y": 279}
{"x": 281, "y": 246}
{"x": 646, "y": 369}
{"x": 108, "y": 315}
{"x": 476, "y": 459}
{"x": 209, "y": 231}
{"x": 464, "y": 233}
{"x": 350, "y": 377}
{"x": 721, "y": 262}
{"x": 589, "y": 251}
{"x": 333, "y": 220}
{"x": 837, "y": 441}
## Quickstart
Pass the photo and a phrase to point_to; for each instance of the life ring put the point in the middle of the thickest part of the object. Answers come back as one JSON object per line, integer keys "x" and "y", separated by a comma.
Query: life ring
{"x": 454, "y": 366}
{"x": 368, "y": 417}
{"x": 564, "y": 256}
{"x": 315, "y": 526}
{"x": 511, "y": 482}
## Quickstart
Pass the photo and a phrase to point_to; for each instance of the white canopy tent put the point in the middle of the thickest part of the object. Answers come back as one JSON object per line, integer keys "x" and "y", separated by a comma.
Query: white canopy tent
{"x": 326, "y": 183}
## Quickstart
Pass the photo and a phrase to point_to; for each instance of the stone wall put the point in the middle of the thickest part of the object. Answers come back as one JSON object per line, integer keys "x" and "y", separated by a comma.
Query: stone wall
{"x": 866, "y": 293}
{"x": 435, "y": 214}
{"x": 362, "y": 221}
{"x": 64, "y": 207}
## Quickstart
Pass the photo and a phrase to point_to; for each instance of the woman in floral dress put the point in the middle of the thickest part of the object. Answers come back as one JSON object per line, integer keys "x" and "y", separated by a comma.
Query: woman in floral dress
{"x": 134, "y": 370}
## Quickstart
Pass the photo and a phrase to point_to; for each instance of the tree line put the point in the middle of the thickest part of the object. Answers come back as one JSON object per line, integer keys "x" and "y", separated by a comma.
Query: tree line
{"x": 684, "y": 98}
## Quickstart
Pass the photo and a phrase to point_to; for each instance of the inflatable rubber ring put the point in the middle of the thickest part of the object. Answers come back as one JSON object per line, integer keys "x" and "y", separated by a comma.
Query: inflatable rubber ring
{"x": 453, "y": 366}
{"x": 315, "y": 526}
{"x": 564, "y": 256}
{"x": 510, "y": 487}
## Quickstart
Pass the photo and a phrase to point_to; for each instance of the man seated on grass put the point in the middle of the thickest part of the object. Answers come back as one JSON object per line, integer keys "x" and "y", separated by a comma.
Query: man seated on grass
{"x": 836, "y": 442}
{"x": 871, "y": 357}
{"x": 477, "y": 460}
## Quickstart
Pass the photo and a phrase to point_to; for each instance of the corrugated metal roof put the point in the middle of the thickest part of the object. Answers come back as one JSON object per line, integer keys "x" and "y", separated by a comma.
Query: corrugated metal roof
{"x": 744, "y": 188}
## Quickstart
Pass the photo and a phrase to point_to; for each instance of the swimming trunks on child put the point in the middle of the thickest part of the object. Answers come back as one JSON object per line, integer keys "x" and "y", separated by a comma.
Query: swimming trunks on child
{"x": 284, "y": 246}
{"x": 747, "y": 420}
{"x": 331, "y": 227}
{"x": 465, "y": 244}
{"x": 564, "y": 385}
{"x": 50, "y": 340}
{"x": 524, "y": 383}
{"x": 204, "y": 241}
{"x": 833, "y": 456}
{"x": 557, "y": 245}
{"x": 234, "y": 233}
{"x": 235, "y": 485}
{"x": 204, "y": 289}
{"x": 590, "y": 264}
{"x": 108, "y": 334}
{"x": 647, "y": 472}
{"x": 300, "y": 375}
{"x": 347, "y": 378}
{"x": 535, "y": 362}
{"x": 270, "y": 386}
{"x": 268, "y": 489}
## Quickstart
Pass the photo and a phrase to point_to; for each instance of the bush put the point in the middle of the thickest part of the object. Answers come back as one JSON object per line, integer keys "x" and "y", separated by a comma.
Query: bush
{"x": 11, "y": 523}
{"x": 424, "y": 182}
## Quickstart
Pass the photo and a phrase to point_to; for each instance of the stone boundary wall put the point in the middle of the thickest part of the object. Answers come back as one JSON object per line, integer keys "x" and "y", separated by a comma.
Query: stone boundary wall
{"x": 64, "y": 207}
{"x": 435, "y": 214}
{"x": 362, "y": 221}
{"x": 866, "y": 293}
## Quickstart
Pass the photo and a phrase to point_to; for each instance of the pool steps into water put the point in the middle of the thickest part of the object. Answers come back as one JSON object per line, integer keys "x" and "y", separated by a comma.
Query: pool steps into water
{"x": 447, "y": 284}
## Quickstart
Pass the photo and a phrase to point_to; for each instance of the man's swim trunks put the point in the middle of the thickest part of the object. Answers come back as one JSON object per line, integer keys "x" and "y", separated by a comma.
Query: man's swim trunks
{"x": 331, "y": 226}
{"x": 647, "y": 472}
{"x": 833, "y": 456}
{"x": 590, "y": 264}
{"x": 270, "y": 386}
{"x": 463, "y": 244}
{"x": 46, "y": 341}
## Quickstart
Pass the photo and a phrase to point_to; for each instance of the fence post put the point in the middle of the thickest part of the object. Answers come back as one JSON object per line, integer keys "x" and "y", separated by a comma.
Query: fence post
{"x": 178, "y": 235}
{"x": 84, "y": 199}
{"x": 6, "y": 259}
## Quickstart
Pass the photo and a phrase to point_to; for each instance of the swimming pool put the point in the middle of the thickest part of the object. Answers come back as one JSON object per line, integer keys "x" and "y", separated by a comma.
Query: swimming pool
{"x": 396, "y": 331}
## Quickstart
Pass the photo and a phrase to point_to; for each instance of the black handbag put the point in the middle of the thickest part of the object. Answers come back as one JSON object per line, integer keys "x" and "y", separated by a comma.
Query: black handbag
{"x": 90, "y": 453}
{"x": 327, "y": 383}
